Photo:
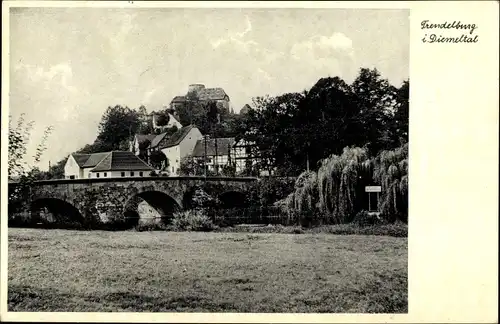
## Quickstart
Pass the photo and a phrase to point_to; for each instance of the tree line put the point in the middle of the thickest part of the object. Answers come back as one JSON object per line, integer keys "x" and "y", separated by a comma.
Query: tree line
{"x": 292, "y": 132}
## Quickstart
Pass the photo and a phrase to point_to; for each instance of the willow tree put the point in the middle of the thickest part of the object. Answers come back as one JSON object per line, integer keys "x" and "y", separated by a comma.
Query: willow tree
{"x": 301, "y": 204}
{"x": 391, "y": 172}
{"x": 341, "y": 181}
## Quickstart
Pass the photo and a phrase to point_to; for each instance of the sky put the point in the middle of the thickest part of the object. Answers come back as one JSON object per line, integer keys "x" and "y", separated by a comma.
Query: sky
{"x": 67, "y": 65}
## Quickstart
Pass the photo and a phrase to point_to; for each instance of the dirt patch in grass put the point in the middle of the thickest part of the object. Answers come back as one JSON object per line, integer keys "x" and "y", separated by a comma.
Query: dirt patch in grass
{"x": 60, "y": 270}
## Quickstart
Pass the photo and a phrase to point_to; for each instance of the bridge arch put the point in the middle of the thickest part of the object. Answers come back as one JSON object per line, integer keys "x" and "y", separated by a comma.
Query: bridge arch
{"x": 150, "y": 206}
{"x": 55, "y": 212}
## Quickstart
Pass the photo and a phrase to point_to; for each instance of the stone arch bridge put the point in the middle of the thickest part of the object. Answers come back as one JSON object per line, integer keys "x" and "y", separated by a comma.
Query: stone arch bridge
{"x": 109, "y": 200}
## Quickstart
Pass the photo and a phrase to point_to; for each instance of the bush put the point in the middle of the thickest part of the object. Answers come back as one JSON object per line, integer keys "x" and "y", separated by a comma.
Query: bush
{"x": 364, "y": 218}
{"x": 192, "y": 220}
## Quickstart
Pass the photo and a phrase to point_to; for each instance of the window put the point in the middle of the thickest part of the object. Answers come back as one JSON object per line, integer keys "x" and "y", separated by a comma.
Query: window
{"x": 140, "y": 174}
{"x": 72, "y": 177}
{"x": 123, "y": 174}
{"x": 105, "y": 174}
{"x": 97, "y": 174}
{"x": 131, "y": 173}
{"x": 172, "y": 169}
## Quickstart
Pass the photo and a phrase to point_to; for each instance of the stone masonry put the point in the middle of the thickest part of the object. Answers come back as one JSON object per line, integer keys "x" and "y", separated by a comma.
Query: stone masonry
{"x": 105, "y": 200}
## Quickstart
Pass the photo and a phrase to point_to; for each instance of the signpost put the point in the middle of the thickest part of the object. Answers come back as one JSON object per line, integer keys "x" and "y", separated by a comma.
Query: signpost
{"x": 372, "y": 190}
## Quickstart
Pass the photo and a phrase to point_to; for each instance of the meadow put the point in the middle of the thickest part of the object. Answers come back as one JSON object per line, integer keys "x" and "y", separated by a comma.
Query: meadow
{"x": 158, "y": 271}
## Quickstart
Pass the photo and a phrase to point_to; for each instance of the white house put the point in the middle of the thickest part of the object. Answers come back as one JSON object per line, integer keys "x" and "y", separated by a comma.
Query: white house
{"x": 153, "y": 119}
{"x": 105, "y": 165}
{"x": 179, "y": 145}
{"x": 78, "y": 166}
{"x": 119, "y": 164}
{"x": 172, "y": 121}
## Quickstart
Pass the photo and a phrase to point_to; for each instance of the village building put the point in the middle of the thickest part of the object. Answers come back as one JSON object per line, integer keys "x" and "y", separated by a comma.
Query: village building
{"x": 218, "y": 151}
{"x": 153, "y": 119}
{"x": 141, "y": 143}
{"x": 177, "y": 146}
{"x": 105, "y": 165}
{"x": 78, "y": 166}
{"x": 222, "y": 152}
{"x": 119, "y": 164}
{"x": 203, "y": 95}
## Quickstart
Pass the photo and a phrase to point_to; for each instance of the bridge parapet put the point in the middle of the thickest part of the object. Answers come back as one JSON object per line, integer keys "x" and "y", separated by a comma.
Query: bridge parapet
{"x": 106, "y": 199}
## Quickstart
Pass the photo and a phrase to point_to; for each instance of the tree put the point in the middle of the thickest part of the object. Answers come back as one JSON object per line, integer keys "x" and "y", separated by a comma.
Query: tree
{"x": 190, "y": 167}
{"x": 56, "y": 171}
{"x": 374, "y": 97}
{"x": 162, "y": 118}
{"x": 117, "y": 125}
{"x": 18, "y": 169}
{"x": 401, "y": 113}
{"x": 391, "y": 172}
{"x": 18, "y": 140}
{"x": 271, "y": 128}
{"x": 158, "y": 160}
{"x": 325, "y": 121}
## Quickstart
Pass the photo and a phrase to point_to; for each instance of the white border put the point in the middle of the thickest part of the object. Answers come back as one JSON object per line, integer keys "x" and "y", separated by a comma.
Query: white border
{"x": 453, "y": 251}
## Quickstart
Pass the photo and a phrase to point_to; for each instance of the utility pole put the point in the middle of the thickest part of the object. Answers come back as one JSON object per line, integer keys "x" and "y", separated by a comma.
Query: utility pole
{"x": 216, "y": 164}
{"x": 205, "y": 159}
{"x": 229, "y": 162}
{"x": 307, "y": 157}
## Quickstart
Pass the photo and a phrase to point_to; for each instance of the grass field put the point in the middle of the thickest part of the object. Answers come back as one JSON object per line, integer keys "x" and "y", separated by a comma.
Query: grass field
{"x": 98, "y": 271}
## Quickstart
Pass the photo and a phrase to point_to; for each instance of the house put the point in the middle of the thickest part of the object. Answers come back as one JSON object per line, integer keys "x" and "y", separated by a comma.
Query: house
{"x": 152, "y": 118}
{"x": 172, "y": 121}
{"x": 78, "y": 166}
{"x": 118, "y": 164}
{"x": 245, "y": 155}
{"x": 177, "y": 146}
{"x": 141, "y": 143}
{"x": 218, "y": 152}
{"x": 105, "y": 165}
{"x": 203, "y": 95}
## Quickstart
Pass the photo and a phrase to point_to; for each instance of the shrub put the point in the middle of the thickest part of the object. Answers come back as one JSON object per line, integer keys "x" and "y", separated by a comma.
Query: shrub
{"x": 192, "y": 220}
{"x": 364, "y": 218}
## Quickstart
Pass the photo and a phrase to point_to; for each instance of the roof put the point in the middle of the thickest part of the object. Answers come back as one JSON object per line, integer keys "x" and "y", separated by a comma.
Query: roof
{"x": 223, "y": 146}
{"x": 141, "y": 138}
{"x": 245, "y": 109}
{"x": 94, "y": 159}
{"x": 212, "y": 94}
{"x": 204, "y": 95}
{"x": 178, "y": 136}
{"x": 179, "y": 99}
{"x": 157, "y": 139}
{"x": 80, "y": 158}
{"x": 173, "y": 120}
{"x": 121, "y": 160}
